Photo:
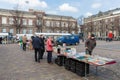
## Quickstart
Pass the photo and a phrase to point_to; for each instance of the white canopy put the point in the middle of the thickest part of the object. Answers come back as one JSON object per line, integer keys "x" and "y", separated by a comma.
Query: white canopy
{"x": 3, "y": 34}
{"x": 53, "y": 34}
{"x": 27, "y": 35}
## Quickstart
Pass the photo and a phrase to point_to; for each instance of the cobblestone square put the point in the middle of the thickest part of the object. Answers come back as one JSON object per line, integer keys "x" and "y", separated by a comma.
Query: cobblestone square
{"x": 16, "y": 64}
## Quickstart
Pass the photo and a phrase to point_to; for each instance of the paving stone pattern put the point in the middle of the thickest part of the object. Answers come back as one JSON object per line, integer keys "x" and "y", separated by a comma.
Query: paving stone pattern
{"x": 16, "y": 64}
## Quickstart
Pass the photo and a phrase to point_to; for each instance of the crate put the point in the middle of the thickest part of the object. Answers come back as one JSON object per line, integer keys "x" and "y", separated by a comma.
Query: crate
{"x": 60, "y": 60}
{"x": 80, "y": 68}
{"x": 73, "y": 65}
{"x": 67, "y": 64}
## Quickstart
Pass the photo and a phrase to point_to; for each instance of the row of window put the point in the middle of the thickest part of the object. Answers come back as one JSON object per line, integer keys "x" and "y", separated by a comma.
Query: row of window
{"x": 24, "y": 31}
{"x": 57, "y": 24}
{"x": 105, "y": 21}
{"x": 50, "y": 31}
{"x": 47, "y": 23}
{"x": 30, "y": 31}
{"x": 11, "y": 21}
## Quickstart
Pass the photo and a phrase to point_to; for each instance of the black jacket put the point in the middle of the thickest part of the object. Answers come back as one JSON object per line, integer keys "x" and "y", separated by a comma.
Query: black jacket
{"x": 42, "y": 44}
{"x": 36, "y": 42}
{"x": 90, "y": 43}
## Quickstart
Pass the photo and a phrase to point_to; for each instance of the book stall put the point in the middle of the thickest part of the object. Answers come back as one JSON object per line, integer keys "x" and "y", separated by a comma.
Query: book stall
{"x": 79, "y": 62}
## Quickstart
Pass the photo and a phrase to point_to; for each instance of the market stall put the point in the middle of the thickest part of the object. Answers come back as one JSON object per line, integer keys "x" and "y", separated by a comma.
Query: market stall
{"x": 79, "y": 62}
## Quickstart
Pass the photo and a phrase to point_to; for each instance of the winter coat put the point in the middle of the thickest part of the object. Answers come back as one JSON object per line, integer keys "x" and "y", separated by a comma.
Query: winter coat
{"x": 90, "y": 44}
{"x": 24, "y": 39}
{"x": 36, "y": 42}
{"x": 49, "y": 45}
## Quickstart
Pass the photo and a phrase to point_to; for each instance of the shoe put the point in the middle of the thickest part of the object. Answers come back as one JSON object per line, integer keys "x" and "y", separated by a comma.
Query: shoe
{"x": 50, "y": 62}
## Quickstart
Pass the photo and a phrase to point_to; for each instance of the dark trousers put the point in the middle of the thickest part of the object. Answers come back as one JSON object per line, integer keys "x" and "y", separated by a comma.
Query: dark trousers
{"x": 24, "y": 46}
{"x": 42, "y": 53}
{"x": 49, "y": 56}
{"x": 88, "y": 52}
{"x": 37, "y": 54}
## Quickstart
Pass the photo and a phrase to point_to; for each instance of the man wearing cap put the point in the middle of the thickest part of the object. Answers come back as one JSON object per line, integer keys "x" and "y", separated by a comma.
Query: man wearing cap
{"x": 90, "y": 44}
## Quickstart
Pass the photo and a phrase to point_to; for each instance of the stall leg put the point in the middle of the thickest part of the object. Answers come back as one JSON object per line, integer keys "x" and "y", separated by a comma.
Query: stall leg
{"x": 86, "y": 71}
{"x": 96, "y": 70}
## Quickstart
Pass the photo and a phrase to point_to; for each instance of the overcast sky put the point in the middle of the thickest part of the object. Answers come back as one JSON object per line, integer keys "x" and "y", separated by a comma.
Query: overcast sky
{"x": 73, "y": 8}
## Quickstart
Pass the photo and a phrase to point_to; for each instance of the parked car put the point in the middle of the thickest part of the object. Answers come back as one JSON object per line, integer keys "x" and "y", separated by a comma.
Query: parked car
{"x": 68, "y": 40}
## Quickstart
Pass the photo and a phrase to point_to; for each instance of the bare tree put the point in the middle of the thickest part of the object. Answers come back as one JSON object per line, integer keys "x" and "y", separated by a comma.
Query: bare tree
{"x": 69, "y": 25}
{"x": 117, "y": 27}
{"x": 38, "y": 23}
{"x": 17, "y": 16}
{"x": 90, "y": 28}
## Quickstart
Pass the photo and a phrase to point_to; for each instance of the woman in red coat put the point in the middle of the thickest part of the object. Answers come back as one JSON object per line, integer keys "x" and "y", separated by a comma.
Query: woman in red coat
{"x": 49, "y": 49}
{"x": 110, "y": 36}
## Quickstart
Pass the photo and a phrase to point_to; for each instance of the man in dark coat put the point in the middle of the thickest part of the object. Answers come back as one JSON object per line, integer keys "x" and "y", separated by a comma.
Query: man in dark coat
{"x": 36, "y": 42}
{"x": 42, "y": 46}
{"x": 90, "y": 44}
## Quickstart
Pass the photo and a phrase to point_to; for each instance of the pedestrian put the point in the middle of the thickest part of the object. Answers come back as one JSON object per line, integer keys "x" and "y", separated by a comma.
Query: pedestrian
{"x": 42, "y": 46}
{"x": 30, "y": 43}
{"x": 110, "y": 36}
{"x": 0, "y": 40}
{"x": 24, "y": 39}
{"x": 49, "y": 49}
{"x": 90, "y": 44}
{"x": 20, "y": 42}
{"x": 36, "y": 42}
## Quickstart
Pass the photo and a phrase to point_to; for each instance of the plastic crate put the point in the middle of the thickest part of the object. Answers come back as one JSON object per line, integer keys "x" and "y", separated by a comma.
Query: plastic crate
{"x": 80, "y": 68}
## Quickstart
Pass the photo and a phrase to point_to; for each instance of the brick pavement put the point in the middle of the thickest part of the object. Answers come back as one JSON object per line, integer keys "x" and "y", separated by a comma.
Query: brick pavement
{"x": 110, "y": 50}
{"x": 16, "y": 64}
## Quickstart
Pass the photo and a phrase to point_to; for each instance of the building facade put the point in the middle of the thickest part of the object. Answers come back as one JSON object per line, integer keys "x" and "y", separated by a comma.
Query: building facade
{"x": 103, "y": 23}
{"x": 29, "y": 22}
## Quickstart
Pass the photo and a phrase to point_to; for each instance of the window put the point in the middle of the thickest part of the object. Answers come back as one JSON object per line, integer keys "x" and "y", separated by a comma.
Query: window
{"x": 24, "y": 31}
{"x": 30, "y": 31}
{"x": 58, "y": 31}
{"x": 94, "y": 23}
{"x": 48, "y": 31}
{"x": 106, "y": 20}
{"x": 66, "y": 31}
{"x": 24, "y": 22}
{"x": 30, "y": 22}
{"x": 66, "y": 24}
{"x": 39, "y": 22}
{"x": 73, "y": 24}
{"x": 4, "y": 20}
{"x": 47, "y": 23}
{"x": 11, "y": 20}
{"x": 11, "y": 31}
{"x": 72, "y": 37}
{"x": 63, "y": 24}
{"x": 73, "y": 32}
{"x": 18, "y": 21}
{"x": 4, "y": 30}
{"x": 62, "y": 31}
{"x": 52, "y": 23}
{"x": 112, "y": 19}
{"x": 57, "y": 24}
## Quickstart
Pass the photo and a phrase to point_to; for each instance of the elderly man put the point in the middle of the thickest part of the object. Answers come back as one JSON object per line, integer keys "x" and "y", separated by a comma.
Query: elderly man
{"x": 90, "y": 44}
